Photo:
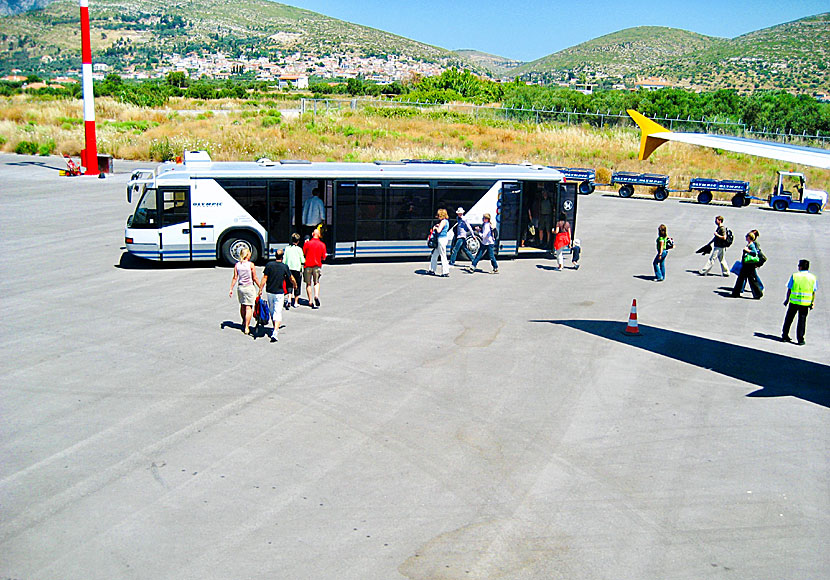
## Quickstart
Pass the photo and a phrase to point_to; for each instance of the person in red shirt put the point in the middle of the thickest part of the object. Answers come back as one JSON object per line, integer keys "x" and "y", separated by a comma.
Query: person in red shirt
{"x": 314, "y": 251}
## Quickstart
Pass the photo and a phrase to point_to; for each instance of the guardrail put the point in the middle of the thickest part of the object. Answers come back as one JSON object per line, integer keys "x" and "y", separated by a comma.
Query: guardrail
{"x": 540, "y": 116}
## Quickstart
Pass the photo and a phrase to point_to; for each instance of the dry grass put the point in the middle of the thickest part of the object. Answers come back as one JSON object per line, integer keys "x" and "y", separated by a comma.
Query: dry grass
{"x": 234, "y": 130}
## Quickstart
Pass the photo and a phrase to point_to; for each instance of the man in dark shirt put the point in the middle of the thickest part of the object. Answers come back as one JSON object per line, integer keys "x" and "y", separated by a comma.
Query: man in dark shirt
{"x": 275, "y": 280}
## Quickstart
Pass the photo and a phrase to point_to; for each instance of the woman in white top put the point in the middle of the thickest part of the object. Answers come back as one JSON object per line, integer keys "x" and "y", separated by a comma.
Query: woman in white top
{"x": 245, "y": 280}
{"x": 441, "y": 229}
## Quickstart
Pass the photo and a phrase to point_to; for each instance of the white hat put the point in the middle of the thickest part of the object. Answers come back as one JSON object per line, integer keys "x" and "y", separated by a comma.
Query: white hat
{"x": 459, "y": 210}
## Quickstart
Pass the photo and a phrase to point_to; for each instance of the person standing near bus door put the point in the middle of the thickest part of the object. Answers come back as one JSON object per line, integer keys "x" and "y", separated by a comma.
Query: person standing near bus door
{"x": 576, "y": 252}
{"x": 561, "y": 239}
{"x": 545, "y": 219}
{"x": 801, "y": 296}
{"x": 314, "y": 211}
{"x": 488, "y": 245}
{"x": 275, "y": 280}
{"x": 659, "y": 261}
{"x": 294, "y": 259}
{"x": 462, "y": 230}
{"x": 718, "y": 254}
{"x": 314, "y": 251}
{"x": 245, "y": 280}
{"x": 441, "y": 229}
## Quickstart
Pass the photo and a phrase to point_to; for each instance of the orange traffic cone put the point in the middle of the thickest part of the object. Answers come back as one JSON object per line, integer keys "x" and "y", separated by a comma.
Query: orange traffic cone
{"x": 632, "y": 329}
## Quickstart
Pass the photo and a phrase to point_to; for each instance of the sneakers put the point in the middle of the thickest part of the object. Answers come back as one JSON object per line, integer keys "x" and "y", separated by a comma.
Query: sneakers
{"x": 801, "y": 343}
{"x": 576, "y": 266}
{"x": 786, "y": 339}
{"x": 275, "y": 338}
{"x": 495, "y": 271}
{"x": 317, "y": 302}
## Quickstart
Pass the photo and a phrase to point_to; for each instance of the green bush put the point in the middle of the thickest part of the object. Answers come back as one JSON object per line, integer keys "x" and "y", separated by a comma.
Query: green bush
{"x": 26, "y": 148}
{"x": 46, "y": 148}
{"x": 3, "y": 140}
{"x": 270, "y": 121}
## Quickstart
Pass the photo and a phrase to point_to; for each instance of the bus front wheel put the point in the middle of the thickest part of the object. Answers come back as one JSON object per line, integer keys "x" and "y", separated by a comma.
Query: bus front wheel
{"x": 234, "y": 244}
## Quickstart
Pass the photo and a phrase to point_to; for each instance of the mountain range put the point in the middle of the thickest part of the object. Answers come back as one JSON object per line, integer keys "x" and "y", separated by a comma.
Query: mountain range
{"x": 39, "y": 35}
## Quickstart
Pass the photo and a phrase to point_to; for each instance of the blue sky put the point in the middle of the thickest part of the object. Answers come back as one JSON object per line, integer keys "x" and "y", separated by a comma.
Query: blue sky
{"x": 527, "y": 30}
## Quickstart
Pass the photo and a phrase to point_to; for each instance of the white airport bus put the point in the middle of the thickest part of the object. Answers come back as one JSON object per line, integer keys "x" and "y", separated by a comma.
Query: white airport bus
{"x": 206, "y": 210}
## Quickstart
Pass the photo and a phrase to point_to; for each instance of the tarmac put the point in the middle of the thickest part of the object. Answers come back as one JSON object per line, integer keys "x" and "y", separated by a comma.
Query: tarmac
{"x": 413, "y": 427}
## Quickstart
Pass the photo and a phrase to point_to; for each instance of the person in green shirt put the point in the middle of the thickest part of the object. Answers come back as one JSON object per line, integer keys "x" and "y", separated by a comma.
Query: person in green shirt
{"x": 294, "y": 260}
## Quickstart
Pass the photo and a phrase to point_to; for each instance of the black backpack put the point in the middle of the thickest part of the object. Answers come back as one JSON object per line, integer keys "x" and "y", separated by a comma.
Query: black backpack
{"x": 729, "y": 238}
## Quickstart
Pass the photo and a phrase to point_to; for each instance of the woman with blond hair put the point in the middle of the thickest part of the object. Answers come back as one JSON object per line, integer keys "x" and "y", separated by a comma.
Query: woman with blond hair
{"x": 245, "y": 280}
{"x": 440, "y": 230}
{"x": 749, "y": 262}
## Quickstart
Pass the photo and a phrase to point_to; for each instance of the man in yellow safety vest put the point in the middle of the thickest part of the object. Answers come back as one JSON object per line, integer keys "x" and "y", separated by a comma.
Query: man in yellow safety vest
{"x": 801, "y": 295}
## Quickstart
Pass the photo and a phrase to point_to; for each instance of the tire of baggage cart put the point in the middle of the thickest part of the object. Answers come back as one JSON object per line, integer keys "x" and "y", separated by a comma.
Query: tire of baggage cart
{"x": 779, "y": 205}
{"x": 738, "y": 200}
{"x": 626, "y": 190}
{"x": 704, "y": 196}
{"x": 234, "y": 244}
{"x": 813, "y": 208}
{"x": 586, "y": 188}
{"x": 661, "y": 193}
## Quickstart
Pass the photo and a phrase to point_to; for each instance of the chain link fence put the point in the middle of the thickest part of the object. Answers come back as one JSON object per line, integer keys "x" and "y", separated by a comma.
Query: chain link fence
{"x": 546, "y": 116}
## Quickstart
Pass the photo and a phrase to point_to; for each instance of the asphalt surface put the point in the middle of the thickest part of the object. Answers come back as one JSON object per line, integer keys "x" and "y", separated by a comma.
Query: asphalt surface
{"x": 413, "y": 427}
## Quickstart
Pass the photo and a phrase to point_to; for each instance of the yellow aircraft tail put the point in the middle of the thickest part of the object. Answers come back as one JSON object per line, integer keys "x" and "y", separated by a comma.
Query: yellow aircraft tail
{"x": 648, "y": 143}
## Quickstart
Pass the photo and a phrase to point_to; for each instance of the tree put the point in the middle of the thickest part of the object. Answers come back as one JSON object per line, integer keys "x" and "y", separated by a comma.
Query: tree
{"x": 177, "y": 79}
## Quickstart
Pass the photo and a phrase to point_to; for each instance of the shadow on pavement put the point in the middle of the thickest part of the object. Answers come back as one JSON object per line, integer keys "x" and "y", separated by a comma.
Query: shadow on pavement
{"x": 37, "y": 163}
{"x": 130, "y": 262}
{"x": 776, "y": 374}
{"x": 651, "y": 278}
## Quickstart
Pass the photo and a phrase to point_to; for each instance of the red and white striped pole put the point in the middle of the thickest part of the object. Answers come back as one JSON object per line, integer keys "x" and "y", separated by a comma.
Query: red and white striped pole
{"x": 90, "y": 157}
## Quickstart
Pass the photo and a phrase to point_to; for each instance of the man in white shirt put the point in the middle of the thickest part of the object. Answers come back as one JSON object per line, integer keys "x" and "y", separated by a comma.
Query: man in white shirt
{"x": 314, "y": 211}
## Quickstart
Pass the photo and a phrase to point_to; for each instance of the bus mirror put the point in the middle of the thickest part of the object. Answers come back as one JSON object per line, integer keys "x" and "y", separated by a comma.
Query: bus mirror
{"x": 129, "y": 194}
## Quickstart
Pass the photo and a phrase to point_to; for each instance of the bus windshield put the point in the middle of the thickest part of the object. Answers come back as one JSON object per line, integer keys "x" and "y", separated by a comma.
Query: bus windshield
{"x": 146, "y": 212}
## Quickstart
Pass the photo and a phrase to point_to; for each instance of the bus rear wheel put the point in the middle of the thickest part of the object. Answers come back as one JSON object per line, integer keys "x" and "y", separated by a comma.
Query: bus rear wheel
{"x": 704, "y": 196}
{"x": 234, "y": 244}
{"x": 626, "y": 190}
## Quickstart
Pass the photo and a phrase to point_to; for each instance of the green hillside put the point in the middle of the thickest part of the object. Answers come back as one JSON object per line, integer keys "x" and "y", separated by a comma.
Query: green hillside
{"x": 620, "y": 55}
{"x": 795, "y": 55}
{"x": 140, "y": 32}
{"x": 497, "y": 66}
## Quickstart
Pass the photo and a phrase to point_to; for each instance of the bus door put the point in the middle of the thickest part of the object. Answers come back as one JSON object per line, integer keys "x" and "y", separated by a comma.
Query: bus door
{"x": 507, "y": 220}
{"x": 174, "y": 230}
{"x": 566, "y": 204}
{"x": 280, "y": 208}
{"x": 344, "y": 223}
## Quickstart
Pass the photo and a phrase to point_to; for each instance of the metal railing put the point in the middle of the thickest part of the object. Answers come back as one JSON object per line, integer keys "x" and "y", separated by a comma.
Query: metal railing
{"x": 542, "y": 116}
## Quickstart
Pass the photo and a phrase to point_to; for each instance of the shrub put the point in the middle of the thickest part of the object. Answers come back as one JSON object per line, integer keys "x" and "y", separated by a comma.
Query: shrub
{"x": 270, "y": 121}
{"x": 26, "y": 148}
{"x": 46, "y": 148}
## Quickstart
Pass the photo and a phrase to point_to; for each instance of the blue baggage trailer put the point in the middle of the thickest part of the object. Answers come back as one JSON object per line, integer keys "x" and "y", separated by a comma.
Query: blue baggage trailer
{"x": 628, "y": 179}
{"x": 586, "y": 178}
{"x": 706, "y": 186}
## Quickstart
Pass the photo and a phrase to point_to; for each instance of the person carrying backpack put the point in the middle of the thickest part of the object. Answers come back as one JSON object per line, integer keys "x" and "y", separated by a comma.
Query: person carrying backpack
{"x": 275, "y": 280}
{"x": 488, "y": 244}
{"x": 720, "y": 241}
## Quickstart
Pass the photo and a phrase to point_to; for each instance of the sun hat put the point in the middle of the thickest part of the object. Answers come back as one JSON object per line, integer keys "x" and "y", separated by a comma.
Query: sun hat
{"x": 460, "y": 210}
